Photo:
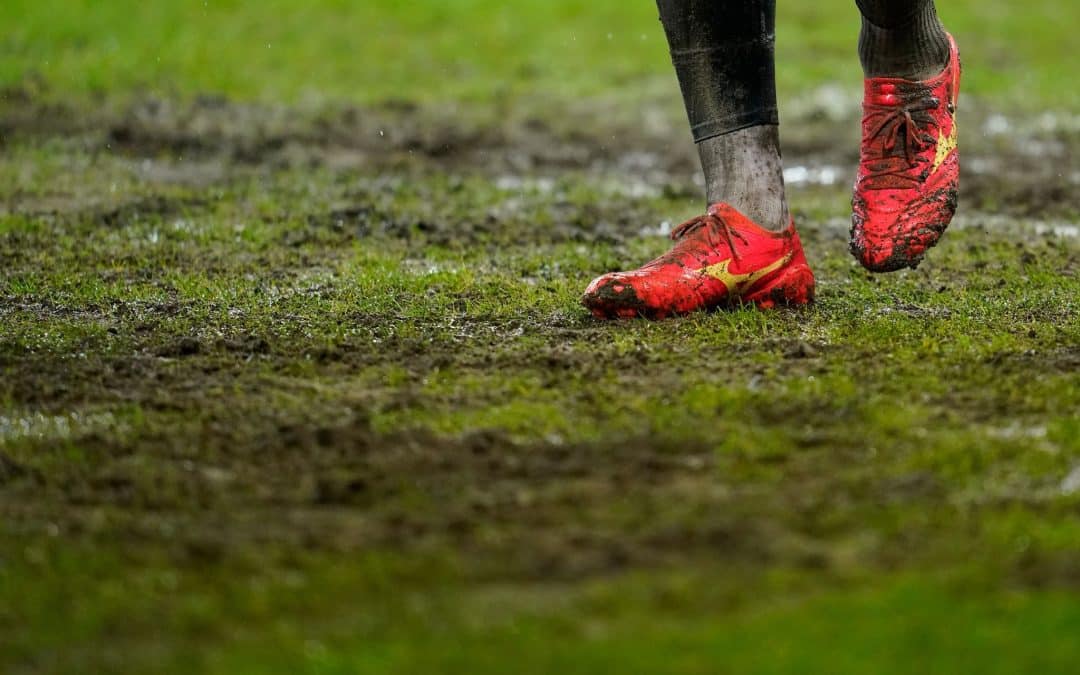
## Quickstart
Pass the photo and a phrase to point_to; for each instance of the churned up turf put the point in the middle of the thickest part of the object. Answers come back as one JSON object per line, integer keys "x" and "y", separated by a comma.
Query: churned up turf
{"x": 306, "y": 387}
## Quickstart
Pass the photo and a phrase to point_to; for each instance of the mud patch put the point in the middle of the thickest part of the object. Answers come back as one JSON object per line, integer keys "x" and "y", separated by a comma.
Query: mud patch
{"x": 11, "y": 470}
{"x": 1001, "y": 173}
{"x": 1064, "y": 360}
{"x": 347, "y": 340}
{"x": 537, "y": 510}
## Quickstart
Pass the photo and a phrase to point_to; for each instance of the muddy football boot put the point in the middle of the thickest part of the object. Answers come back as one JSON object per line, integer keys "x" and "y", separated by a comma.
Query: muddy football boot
{"x": 720, "y": 258}
{"x": 905, "y": 190}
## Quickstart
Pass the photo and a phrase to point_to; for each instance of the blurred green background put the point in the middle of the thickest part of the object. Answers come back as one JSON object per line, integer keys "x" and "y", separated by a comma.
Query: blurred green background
{"x": 365, "y": 50}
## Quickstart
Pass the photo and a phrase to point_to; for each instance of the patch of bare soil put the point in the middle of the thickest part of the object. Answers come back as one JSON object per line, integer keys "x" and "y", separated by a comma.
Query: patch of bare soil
{"x": 547, "y": 510}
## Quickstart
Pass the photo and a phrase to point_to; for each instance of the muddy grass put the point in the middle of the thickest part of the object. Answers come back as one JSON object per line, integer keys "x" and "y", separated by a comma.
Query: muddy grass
{"x": 242, "y": 342}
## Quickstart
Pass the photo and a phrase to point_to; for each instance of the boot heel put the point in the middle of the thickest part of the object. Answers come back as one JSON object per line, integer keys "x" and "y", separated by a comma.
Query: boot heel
{"x": 793, "y": 286}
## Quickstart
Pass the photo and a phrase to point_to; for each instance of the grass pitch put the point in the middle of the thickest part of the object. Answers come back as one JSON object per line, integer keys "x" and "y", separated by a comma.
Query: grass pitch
{"x": 293, "y": 377}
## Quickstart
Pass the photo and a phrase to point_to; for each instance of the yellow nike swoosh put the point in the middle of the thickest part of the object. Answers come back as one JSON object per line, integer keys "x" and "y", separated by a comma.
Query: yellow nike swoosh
{"x": 945, "y": 145}
{"x": 737, "y": 283}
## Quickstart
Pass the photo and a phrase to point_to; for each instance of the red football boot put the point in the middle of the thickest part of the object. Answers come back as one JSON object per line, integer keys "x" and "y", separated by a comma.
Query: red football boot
{"x": 721, "y": 258}
{"x": 905, "y": 191}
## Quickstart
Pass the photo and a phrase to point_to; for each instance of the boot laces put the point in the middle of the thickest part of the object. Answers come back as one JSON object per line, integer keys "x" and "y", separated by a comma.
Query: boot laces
{"x": 896, "y": 134}
{"x": 717, "y": 226}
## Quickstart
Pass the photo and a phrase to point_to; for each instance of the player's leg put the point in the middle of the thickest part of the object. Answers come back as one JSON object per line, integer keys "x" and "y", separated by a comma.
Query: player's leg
{"x": 745, "y": 247}
{"x": 722, "y": 51}
{"x": 906, "y": 187}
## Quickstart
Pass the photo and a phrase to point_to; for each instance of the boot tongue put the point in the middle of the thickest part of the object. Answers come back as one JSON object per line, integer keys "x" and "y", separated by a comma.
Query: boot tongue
{"x": 724, "y": 210}
{"x": 880, "y": 91}
{"x": 717, "y": 209}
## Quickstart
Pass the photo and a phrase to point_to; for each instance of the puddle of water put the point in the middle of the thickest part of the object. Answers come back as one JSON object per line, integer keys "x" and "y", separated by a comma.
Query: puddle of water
{"x": 511, "y": 183}
{"x": 1034, "y": 147}
{"x": 1024, "y": 127}
{"x": 625, "y": 186}
{"x": 1056, "y": 228}
{"x": 831, "y": 101}
{"x": 661, "y": 230}
{"x": 1016, "y": 431}
{"x": 425, "y": 267}
{"x": 1052, "y": 120}
{"x": 817, "y": 175}
{"x": 963, "y": 220}
{"x": 51, "y": 427}
{"x": 996, "y": 125}
{"x": 982, "y": 165}
{"x": 633, "y": 188}
{"x": 1071, "y": 484}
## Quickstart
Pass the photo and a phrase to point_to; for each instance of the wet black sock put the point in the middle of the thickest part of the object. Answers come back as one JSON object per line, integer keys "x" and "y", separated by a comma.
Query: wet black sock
{"x": 723, "y": 56}
{"x": 901, "y": 38}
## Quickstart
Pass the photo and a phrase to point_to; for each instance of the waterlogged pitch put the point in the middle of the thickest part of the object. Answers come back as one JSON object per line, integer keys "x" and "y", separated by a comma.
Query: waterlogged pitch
{"x": 294, "y": 375}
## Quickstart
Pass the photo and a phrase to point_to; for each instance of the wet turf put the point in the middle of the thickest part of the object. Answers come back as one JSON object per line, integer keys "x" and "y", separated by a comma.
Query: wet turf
{"x": 284, "y": 393}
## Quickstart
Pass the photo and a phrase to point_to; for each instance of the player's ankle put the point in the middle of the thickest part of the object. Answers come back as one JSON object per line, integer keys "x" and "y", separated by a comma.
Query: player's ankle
{"x": 743, "y": 169}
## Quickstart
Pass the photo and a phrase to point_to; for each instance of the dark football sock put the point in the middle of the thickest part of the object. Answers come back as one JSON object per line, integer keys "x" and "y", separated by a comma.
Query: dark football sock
{"x": 723, "y": 56}
{"x": 901, "y": 38}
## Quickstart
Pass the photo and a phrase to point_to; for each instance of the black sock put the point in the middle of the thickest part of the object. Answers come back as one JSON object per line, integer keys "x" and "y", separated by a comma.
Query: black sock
{"x": 723, "y": 56}
{"x": 901, "y": 38}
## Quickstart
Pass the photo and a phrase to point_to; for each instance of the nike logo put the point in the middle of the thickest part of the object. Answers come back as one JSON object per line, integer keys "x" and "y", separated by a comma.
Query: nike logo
{"x": 737, "y": 283}
{"x": 945, "y": 145}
